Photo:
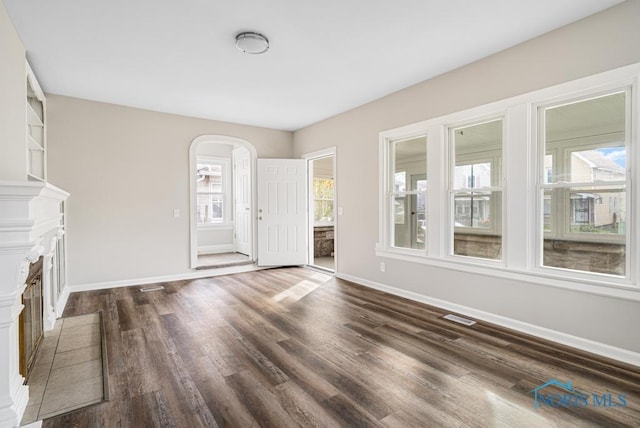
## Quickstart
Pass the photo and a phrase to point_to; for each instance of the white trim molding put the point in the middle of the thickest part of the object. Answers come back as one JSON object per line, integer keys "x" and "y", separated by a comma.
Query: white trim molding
{"x": 204, "y": 273}
{"x": 580, "y": 343}
{"x": 523, "y": 235}
{"x": 30, "y": 225}
{"x": 310, "y": 157}
{"x": 193, "y": 151}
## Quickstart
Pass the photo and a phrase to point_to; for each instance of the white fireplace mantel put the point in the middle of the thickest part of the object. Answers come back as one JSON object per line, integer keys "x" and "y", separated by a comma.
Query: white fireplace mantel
{"x": 31, "y": 222}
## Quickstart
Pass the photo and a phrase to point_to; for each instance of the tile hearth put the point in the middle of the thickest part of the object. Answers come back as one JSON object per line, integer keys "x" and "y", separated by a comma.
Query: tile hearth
{"x": 68, "y": 373}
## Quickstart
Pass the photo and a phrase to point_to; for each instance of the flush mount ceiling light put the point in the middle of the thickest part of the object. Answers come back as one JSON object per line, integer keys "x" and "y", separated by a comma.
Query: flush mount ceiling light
{"x": 252, "y": 43}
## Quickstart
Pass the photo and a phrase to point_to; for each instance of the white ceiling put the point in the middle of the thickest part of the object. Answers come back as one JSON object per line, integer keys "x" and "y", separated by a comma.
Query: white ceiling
{"x": 326, "y": 57}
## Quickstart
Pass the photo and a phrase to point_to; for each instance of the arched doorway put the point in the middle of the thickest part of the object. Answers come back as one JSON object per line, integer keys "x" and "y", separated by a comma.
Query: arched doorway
{"x": 222, "y": 183}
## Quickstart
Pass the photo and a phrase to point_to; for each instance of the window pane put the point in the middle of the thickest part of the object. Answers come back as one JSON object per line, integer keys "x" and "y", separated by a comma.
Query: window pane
{"x": 590, "y": 137}
{"x": 597, "y": 212}
{"x": 585, "y": 226}
{"x": 410, "y": 221}
{"x": 472, "y": 176}
{"x": 400, "y": 182}
{"x": 323, "y": 199}
{"x": 323, "y": 188}
{"x": 477, "y": 148}
{"x": 209, "y": 209}
{"x": 598, "y": 164}
{"x": 399, "y": 211}
{"x": 474, "y": 209}
{"x": 547, "y": 210}
{"x": 410, "y": 159}
{"x": 477, "y": 215}
{"x": 477, "y": 224}
{"x": 548, "y": 168}
{"x": 323, "y": 210}
{"x": 594, "y": 219}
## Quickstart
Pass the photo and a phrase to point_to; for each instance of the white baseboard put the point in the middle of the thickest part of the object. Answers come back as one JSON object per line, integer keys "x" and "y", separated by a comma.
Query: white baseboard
{"x": 588, "y": 345}
{"x": 62, "y": 301}
{"x": 168, "y": 278}
{"x": 215, "y": 249}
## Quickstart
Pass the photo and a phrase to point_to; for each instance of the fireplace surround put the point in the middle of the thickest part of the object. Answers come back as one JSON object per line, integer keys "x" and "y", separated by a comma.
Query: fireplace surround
{"x": 31, "y": 224}
{"x": 30, "y": 325}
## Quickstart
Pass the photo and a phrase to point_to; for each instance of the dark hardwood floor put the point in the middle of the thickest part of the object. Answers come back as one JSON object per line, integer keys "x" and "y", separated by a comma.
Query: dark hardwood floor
{"x": 294, "y": 347}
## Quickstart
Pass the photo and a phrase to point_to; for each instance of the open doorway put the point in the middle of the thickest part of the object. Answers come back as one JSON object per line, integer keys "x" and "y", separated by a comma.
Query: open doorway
{"x": 322, "y": 209}
{"x": 222, "y": 195}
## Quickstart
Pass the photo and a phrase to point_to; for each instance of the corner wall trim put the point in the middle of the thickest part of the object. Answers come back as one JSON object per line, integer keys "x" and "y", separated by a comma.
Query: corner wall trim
{"x": 167, "y": 278}
{"x": 583, "y": 344}
{"x": 62, "y": 301}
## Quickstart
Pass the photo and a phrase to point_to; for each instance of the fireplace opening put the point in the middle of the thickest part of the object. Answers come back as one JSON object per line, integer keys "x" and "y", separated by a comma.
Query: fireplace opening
{"x": 31, "y": 318}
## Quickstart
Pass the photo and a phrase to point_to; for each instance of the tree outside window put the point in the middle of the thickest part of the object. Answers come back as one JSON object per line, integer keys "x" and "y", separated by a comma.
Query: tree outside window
{"x": 323, "y": 200}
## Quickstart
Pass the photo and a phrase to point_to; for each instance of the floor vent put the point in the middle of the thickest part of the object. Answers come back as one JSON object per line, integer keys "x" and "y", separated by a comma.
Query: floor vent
{"x": 153, "y": 288}
{"x": 459, "y": 320}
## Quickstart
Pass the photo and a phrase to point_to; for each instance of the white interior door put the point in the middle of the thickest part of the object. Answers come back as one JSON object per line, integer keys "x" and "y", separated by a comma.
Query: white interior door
{"x": 242, "y": 201}
{"x": 282, "y": 212}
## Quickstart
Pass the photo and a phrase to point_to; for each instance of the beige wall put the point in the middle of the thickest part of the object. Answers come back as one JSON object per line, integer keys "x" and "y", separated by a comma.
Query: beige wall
{"x": 598, "y": 43}
{"x": 127, "y": 170}
{"x": 13, "y": 93}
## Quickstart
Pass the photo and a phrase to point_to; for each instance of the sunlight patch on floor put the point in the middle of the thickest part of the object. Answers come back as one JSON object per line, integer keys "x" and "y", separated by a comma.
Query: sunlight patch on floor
{"x": 297, "y": 292}
{"x": 507, "y": 413}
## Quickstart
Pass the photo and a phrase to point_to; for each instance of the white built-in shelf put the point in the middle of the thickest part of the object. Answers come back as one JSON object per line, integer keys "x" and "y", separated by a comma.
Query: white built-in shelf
{"x": 32, "y": 177}
{"x": 33, "y": 119}
{"x": 36, "y": 146}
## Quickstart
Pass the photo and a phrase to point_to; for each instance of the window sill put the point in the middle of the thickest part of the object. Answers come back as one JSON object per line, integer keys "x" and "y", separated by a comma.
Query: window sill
{"x": 323, "y": 224}
{"x": 618, "y": 289}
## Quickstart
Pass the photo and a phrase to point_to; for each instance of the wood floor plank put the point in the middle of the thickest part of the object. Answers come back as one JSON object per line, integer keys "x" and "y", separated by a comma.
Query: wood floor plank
{"x": 400, "y": 393}
{"x": 294, "y": 347}
{"x": 267, "y": 368}
{"x": 258, "y": 399}
{"x": 308, "y": 380}
{"x": 350, "y": 413}
{"x": 142, "y": 377}
{"x": 372, "y": 401}
{"x": 220, "y": 398}
{"x": 302, "y": 407}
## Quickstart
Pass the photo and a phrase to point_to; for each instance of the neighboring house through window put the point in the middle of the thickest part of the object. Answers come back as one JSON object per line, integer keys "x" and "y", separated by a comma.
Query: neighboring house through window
{"x": 476, "y": 189}
{"x": 584, "y": 183}
{"x": 537, "y": 185}
{"x": 213, "y": 191}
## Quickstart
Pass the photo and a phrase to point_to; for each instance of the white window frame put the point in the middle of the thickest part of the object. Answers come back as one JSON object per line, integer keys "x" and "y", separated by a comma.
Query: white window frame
{"x": 497, "y": 168}
{"x": 562, "y": 230}
{"x": 227, "y": 199}
{"x": 387, "y": 164}
{"x": 522, "y": 247}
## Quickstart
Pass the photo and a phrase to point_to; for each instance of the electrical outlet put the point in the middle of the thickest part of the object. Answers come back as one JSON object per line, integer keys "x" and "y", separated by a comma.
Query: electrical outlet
{"x": 382, "y": 267}
{"x": 176, "y": 213}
